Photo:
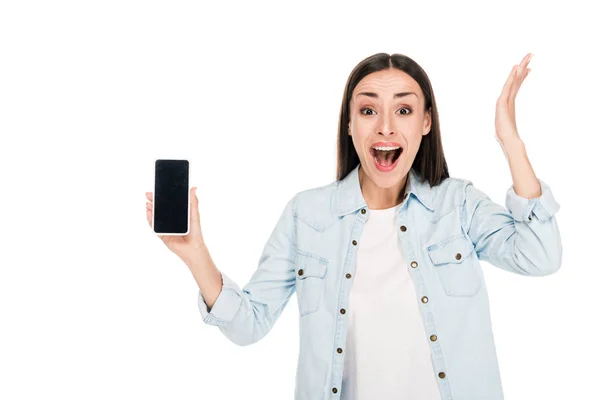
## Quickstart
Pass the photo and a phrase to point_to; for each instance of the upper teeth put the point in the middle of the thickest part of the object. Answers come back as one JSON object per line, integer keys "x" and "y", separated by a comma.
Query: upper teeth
{"x": 385, "y": 148}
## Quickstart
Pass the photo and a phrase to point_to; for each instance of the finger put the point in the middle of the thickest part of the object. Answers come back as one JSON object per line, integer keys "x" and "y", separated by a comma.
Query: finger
{"x": 526, "y": 60}
{"x": 164, "y": 238}
{"x": 522, "y": 68}
{"x": 520, "y": 77}
{"x": 515, "y": 86}
{"x": 195, "y": 228}
{"x": 149, "y": 196}
{"x": 507, "y": 85}
{"x": 194, "y": 213}
{"x": 149, "y": 214}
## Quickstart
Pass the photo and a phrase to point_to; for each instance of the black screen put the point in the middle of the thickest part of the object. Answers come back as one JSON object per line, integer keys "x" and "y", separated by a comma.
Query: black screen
{"x": 171, "y": 196}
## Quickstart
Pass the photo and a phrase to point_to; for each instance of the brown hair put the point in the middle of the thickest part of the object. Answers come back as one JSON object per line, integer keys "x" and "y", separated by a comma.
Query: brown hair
{"x": 430, "y": 163}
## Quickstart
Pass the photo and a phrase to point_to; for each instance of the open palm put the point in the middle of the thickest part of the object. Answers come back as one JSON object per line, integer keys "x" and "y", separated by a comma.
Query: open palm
{"x": 505, "y": 120}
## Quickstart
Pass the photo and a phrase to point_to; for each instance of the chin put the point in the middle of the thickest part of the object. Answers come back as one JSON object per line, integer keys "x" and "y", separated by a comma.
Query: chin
{"x": 384, "y": 179}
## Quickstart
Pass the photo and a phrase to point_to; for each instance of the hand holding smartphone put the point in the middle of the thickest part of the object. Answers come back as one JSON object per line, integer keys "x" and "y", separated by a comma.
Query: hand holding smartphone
{"x": 172, "y": 209}
{"x": 171, "y": 212}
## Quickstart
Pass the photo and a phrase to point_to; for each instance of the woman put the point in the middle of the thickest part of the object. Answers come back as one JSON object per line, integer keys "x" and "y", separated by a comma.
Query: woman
{"x": 385, "y": 260}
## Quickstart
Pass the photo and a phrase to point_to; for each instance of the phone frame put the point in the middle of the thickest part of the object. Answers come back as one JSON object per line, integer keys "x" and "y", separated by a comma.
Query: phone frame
{"x": 188, "y": 196}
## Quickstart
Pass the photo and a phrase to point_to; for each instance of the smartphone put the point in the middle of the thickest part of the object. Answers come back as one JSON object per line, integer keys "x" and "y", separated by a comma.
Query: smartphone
{"x": 171, "y": 197}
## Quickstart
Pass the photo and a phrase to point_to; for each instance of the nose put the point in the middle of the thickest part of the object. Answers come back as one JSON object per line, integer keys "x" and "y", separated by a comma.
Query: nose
{"x": 386, "y": 125}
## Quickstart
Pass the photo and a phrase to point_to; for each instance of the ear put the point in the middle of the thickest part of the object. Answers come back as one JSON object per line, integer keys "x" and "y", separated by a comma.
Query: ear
{"x": 427, "y": 122}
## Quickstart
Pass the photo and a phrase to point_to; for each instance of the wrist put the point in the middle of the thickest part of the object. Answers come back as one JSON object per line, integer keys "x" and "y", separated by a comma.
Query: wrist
{"x": 513, "y": 141}
{"x": 513, "y": 146}
{"x": 196, "y": 255}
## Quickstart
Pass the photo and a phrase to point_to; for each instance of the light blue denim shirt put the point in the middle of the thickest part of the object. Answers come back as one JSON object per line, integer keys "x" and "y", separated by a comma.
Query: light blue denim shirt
{"x": 443, "y": 231}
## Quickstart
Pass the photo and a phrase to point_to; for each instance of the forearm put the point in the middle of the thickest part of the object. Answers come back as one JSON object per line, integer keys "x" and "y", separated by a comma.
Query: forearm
{"x": 525, "y": 181}
{"x": 207, "y": 276}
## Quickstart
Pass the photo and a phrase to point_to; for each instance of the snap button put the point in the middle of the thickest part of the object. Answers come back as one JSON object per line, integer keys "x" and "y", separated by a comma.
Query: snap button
{"x": 458, "y": 256}
{"x": 424, "y": 299}
{"x": 414, "y": 264}
{"x": 403, "y": 228}
{"x": 354, "y": 242}
{"x": 529, "y": 218}
{"x": 300, "y": 272}
{"x": 348, "y": 275}
{"x": 442, "y": 375}
{"x": 334, "y": 390}
{"x": 433, "y": 338}
{"x": 339, "y": 350}
{"x": 363, "y": 211}
{"x": 342, "y": 311}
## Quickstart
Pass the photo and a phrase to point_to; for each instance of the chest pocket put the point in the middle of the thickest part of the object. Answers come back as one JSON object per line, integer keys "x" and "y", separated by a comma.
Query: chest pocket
{"x": 455, "y": 263}
{"x": 310, "y": 281}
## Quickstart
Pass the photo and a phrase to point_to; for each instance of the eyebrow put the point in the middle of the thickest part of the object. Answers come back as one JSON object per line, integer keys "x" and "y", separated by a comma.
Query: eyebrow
{"x": 396, "y": 95}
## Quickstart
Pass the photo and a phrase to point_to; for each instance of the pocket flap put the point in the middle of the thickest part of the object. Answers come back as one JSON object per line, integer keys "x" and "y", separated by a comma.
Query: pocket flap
{"x": 454, "y": 249}
{"x": 310, "y": 265}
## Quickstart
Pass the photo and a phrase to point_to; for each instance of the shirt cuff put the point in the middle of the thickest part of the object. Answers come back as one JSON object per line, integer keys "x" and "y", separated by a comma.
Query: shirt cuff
{"x": 523, "y": 209}
{"x": 226, "y": 306}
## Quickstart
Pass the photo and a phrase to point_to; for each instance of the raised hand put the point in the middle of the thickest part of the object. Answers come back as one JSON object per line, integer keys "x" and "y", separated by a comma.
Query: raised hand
{"x": 506, "y": 124}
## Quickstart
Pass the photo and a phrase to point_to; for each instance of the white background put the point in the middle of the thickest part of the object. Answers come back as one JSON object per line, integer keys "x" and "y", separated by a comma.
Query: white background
{"x": 94, "y": 306}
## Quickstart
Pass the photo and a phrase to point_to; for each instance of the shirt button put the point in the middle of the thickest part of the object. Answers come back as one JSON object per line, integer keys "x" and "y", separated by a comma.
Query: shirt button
{"x": 442, "y": 375}
{"x": 334, "y": 390}
{"x": 529, "y": 218}
{"x": 342, "y": 311}
{"x": 458, "y": 256}
{"x": 348, "y": 275}
{"x": 301, "y": 272}
{"x": 414, "y": 264}
{"x": 339, "y": 350}
{"x": 363, "y": 211}
{"x": 433, "y": 338}
{"x": 354, "y": 242}
{"x": 424, "y": 299}
{"x": 403, "y": 228}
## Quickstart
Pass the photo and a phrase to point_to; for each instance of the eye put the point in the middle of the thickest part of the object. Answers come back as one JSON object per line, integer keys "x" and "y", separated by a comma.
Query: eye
{"x": 366, "y": 108}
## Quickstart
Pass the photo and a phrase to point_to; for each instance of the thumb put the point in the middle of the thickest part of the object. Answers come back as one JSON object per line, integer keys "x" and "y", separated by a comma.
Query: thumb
{"x": 195, "y": 229}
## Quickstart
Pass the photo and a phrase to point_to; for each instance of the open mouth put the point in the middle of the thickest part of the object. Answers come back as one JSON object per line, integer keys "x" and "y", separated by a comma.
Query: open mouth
{"x": 386, "y": 158}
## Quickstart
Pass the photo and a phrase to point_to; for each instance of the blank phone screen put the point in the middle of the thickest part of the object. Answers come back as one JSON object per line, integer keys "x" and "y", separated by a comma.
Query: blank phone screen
{"x": 171, "y": 196}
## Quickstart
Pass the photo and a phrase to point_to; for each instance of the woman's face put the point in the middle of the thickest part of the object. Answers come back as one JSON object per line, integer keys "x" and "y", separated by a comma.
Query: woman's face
{"x": 386, "y": 108}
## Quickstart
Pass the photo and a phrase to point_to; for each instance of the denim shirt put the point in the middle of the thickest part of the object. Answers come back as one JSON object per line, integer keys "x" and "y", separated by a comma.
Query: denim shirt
{"x": 444, "y": 232}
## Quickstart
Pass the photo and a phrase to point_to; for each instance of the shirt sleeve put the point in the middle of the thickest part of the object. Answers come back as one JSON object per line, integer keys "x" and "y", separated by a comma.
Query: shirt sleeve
{"x": 522, "y": 237}
{"x": 245, "y": 315}
{"x": 523, "y": 209}
{"x": 225, "y": 307}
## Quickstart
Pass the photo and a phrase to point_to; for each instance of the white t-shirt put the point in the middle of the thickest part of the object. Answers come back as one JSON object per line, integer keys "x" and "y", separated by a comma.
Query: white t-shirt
{"x": 387, "y": 349}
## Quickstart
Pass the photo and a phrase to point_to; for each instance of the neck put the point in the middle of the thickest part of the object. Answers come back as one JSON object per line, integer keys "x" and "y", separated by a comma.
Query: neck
{"x": 378, "y": 198}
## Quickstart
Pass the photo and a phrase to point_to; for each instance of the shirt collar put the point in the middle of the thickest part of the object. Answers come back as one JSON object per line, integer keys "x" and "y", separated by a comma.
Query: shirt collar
{"x": 348, "y": 196}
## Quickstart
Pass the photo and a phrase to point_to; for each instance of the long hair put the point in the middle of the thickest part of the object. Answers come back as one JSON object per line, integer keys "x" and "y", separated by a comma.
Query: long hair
{"x": 430, "y": 163}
